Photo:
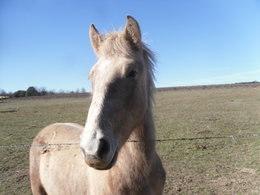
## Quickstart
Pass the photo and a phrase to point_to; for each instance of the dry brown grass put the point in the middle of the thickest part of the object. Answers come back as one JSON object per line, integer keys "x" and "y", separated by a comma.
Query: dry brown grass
{"x": 218, "y": 166}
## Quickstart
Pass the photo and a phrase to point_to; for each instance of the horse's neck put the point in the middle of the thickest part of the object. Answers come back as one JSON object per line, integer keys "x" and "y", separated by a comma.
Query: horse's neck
{"x": 144, "y": 134}
{"x": 138, "y": 152}
{"x": 135, "y": 159}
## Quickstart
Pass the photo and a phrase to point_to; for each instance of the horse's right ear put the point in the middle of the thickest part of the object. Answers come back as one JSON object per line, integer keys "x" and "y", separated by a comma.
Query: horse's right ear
{"x": 95, "y": 38}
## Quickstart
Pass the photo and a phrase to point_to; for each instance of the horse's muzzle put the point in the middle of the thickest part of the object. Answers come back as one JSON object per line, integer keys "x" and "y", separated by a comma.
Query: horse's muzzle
{"x": 99, "y": 153}
{"x": 98, "y": 163}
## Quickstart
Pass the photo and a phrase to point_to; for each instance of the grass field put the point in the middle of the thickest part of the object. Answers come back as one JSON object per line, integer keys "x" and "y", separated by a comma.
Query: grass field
{"x": 215, "y": 166}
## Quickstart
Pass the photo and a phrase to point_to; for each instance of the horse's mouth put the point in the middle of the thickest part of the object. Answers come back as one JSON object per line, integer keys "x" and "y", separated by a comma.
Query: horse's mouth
{"x": 110, "y": 164}
{"x": 100, "y": 164}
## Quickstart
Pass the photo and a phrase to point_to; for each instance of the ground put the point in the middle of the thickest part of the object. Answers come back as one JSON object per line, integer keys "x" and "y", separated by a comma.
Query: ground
{"x": 211, "y": 166}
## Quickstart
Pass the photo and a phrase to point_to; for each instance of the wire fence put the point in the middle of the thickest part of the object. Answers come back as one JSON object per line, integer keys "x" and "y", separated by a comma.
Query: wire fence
{"x": 133, "y": 141}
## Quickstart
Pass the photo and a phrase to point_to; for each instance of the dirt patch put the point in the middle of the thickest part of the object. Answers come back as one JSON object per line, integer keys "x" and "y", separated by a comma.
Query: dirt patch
{"x": 7, "y": 111}
{"x": 242, "y": 181}
{"x": 205, "y": 132}
{"x": 248, "y": 170}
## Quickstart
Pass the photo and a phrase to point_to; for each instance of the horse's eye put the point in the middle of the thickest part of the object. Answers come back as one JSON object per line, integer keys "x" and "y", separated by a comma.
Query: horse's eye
{"x": 132, "y": 74}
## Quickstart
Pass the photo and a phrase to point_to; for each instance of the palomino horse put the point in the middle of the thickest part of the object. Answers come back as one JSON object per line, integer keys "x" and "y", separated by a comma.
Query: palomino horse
{"x": 107, "y": 161}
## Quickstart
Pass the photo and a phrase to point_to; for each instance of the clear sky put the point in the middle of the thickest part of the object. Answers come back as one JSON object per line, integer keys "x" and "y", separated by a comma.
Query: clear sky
{"x": 44, "y": 43}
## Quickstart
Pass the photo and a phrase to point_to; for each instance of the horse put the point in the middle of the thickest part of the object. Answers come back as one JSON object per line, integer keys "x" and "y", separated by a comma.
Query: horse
{"x": 116, "y": 152}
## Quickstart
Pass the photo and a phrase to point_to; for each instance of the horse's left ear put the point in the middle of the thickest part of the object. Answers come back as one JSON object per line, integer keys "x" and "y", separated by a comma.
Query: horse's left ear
{"x": 132, "y": 31}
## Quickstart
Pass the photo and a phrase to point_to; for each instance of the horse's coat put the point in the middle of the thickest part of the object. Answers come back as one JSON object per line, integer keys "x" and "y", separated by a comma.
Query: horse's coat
{"x": 121, "y": 110}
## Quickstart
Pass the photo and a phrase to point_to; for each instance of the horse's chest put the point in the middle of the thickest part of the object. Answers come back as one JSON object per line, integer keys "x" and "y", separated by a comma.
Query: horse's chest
{"x": 110, "y": 184}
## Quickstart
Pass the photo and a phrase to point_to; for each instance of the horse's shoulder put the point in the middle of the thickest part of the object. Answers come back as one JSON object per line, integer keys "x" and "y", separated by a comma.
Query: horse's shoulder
{"x": 66, "y": 125}
{"x": 59, "y": 133}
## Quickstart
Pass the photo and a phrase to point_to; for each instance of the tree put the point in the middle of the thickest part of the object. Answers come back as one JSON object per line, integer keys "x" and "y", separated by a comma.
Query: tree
{"x": 19, "y": 93}
{"x": 2, "y": 92}
{"x": 31, "y": 91}
{"x": 42, "y": 91}
{"x": 83, "y": 90}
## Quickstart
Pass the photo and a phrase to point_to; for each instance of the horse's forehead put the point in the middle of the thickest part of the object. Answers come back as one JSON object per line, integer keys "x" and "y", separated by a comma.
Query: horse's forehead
{"x": 110, "y": 66}
{"x": 113, "y": 63}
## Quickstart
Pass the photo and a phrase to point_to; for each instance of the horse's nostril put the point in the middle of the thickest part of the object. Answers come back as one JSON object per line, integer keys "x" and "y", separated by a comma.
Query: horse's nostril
{"x": 103, "y": 148}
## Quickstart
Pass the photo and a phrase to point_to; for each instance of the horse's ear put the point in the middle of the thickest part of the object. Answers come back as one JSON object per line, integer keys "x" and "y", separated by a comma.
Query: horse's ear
{"x": 132, "y": 31}
{"x": 95, "y": 38}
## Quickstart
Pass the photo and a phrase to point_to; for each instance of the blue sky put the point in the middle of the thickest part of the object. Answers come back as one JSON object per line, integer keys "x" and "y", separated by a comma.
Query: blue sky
{"x": 44, "y": 43}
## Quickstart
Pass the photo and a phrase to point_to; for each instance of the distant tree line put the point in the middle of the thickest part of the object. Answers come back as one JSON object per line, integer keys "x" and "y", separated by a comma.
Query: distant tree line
{"x": 33, "y": 91}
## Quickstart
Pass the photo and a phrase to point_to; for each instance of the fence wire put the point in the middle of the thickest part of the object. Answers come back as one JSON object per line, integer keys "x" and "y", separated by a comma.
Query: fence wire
{"x": 133, "y": 141}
